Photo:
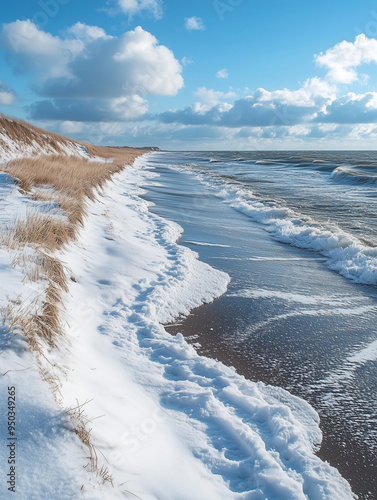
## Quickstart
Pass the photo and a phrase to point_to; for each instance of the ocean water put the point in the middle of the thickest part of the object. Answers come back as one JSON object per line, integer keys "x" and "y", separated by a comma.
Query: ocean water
{"x": 297, "y": 233}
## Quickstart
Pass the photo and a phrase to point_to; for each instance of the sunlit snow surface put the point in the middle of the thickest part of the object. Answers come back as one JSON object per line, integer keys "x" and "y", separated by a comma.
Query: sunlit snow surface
{"x": 171, "y": 424}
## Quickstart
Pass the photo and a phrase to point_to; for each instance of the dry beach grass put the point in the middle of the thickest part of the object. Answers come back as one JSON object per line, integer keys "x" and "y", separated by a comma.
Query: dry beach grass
{"x": 71, "y": 182}
{"x": 67, "y": 182}
{"x": 22, "y": 133}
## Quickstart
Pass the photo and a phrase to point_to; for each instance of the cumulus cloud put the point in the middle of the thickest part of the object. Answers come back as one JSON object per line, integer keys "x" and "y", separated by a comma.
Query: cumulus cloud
{"x": 133, "y": 7}
{"x": 87, "y": 33}
{"x": 7, "y": 95}
{"x": 31, "y": 49}
{"x": 132, "y": 66}
{"x": 261, "y": 109}
{"x": 313, "y": 92}
{"x": 210, "y": 97}
{"x": 222, "y": 73}
{"x": 351, "y": 108}
{"x": 343, "y": 59}
{"x": 258, "y": 112}
{"x": 194, "y": 24}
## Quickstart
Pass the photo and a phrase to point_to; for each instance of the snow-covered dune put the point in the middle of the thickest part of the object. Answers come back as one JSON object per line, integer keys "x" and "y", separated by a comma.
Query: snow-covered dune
{"x": 20, "y": 140}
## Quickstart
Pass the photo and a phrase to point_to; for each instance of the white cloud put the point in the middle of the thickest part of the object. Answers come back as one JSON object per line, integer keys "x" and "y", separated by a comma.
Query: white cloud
{"x": 209, "y": 97}
{"x": 129, "y": 107}
{"x": 222, "y": 73}
{"x": 262, "y": 108}
{"x": 351, "y": 108}
{"x": 343, "y": 59}
{"x": 313, "y": 91}
{"x": 372, "y": 103}
{"x": 67, "y": 127}
{"x": 146, "y": 66}
{"x": 199, "y": 137}
{"x": 132, "y": 66}
{"x": 35, "y": 50}
{"x": 87, "y": 33}
{"x": 194, "y": 24}
{"x": 133, "y": 7}
{"x": 7, "y": 95}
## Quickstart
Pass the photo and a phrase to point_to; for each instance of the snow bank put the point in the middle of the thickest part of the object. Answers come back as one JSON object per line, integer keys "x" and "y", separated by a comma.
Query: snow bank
{"x": 171, "y": 424}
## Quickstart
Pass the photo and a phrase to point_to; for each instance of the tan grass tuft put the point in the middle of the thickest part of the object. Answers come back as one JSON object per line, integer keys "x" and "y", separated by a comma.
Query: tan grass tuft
{"x": 19, "y": 319}
{"x": 69, "y": 174}
{"x": 81, "y": 427}
{"x": 54, "y": 269}
{"x": 43, "y": 231}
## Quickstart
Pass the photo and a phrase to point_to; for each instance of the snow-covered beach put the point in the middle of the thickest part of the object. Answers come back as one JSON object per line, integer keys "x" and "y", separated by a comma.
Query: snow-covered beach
{"x": 165, "y": 422}
{"x": 188, "y": 250}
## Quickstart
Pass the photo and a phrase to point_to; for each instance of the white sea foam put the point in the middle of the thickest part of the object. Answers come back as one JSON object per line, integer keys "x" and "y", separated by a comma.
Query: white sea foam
{"x": 343, "y": 388}
{"x": 344, "y": 253}
{"x": 272, "y": 259}
{"x": 362, "y": 355}
{"x": 205, "y": 244}
{"x": 304, "y": 299}
{"x": 367, "y": 353}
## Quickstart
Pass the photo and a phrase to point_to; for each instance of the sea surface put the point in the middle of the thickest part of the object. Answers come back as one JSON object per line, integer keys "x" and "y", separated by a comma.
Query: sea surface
{"x": 297, "y": 233}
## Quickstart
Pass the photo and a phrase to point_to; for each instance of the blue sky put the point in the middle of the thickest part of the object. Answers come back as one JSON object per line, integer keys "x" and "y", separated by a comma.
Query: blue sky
{"x": 216, "y": 74}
